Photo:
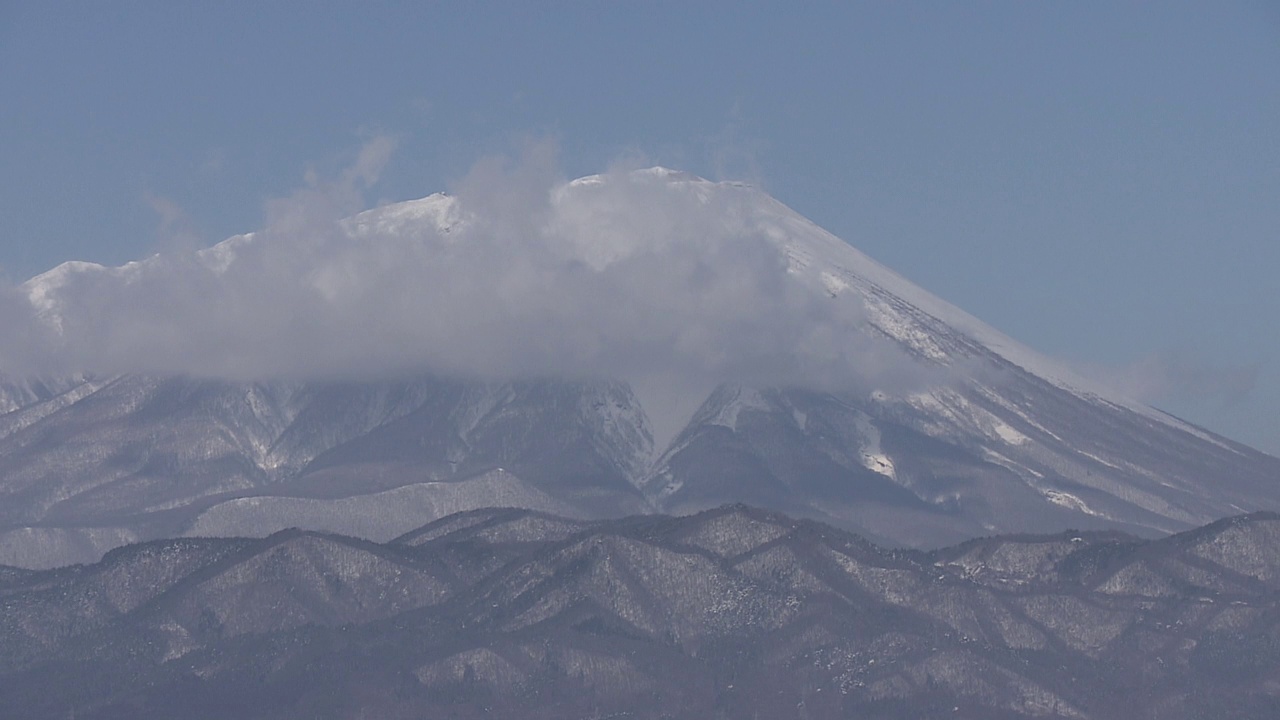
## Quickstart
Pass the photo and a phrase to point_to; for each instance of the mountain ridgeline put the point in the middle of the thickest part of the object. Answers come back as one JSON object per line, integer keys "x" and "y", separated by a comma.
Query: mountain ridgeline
{"x": 732, "y": 612}
{"x": 1002, "y": 440}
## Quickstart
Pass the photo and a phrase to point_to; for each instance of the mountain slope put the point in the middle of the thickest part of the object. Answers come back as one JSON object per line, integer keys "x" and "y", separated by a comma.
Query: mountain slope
{"x": 141, "y": 457}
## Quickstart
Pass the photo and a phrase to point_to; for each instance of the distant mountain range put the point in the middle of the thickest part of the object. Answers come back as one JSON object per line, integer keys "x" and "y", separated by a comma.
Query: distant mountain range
{"x": 733, "y": 612}
{"x": 1004, "y": 441}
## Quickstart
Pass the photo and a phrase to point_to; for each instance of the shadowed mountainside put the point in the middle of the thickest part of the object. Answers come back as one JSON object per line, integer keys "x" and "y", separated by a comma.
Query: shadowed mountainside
{"x": 734, "y": 611}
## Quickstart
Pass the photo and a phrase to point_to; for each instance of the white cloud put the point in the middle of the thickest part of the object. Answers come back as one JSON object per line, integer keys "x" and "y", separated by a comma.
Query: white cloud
{"x": 1179, "y": 376}
{"x": 636, "y": 276}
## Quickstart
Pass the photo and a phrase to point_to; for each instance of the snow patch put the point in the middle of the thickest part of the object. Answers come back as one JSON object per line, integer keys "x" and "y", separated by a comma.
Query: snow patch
{"x": 871, "y": 455}
{"x": 378, "y": 516}
{"x": 744, "y": 399}
{"x": 1069, "y": 501}
{"x": 834, "y": 285}
{"x": 1006, "y": 432}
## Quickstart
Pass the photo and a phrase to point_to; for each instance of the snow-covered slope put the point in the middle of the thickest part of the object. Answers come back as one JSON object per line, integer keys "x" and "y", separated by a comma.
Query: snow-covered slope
{"x": 989, "y": 436}
{"x": 1010, "y": 440}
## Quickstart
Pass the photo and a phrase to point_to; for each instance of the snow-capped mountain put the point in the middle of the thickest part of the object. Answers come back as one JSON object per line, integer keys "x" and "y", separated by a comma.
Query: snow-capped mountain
{"x": 987, "y": 435}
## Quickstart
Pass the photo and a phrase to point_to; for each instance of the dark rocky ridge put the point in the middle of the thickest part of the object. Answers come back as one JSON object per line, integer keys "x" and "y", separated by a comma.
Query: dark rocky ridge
{"x": 734, "y": 612}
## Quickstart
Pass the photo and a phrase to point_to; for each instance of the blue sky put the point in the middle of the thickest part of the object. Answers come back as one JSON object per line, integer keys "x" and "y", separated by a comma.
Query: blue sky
{"x": 1100, "y": 181}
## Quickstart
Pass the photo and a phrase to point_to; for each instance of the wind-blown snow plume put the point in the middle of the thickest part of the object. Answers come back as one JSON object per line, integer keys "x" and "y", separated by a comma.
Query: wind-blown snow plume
{"x": 631, "y": 274}
{"x": 1181, "y": 375}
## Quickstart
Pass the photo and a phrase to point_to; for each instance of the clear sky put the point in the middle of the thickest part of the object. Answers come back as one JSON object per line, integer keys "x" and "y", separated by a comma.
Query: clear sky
{"x": 1100, "y": 181}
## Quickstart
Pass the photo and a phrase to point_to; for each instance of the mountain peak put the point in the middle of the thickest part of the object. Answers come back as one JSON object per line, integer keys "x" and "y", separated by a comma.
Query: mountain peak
{"x": 632, "y": 341}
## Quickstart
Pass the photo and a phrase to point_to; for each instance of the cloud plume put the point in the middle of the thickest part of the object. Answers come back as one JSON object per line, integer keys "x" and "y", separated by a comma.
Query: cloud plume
{"x": 1181, "y": 376}
{"x": 634, "y": 274}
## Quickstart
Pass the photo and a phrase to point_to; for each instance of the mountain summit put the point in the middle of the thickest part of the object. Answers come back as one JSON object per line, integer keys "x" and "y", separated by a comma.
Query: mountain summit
{"x": 620, "y": 343}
